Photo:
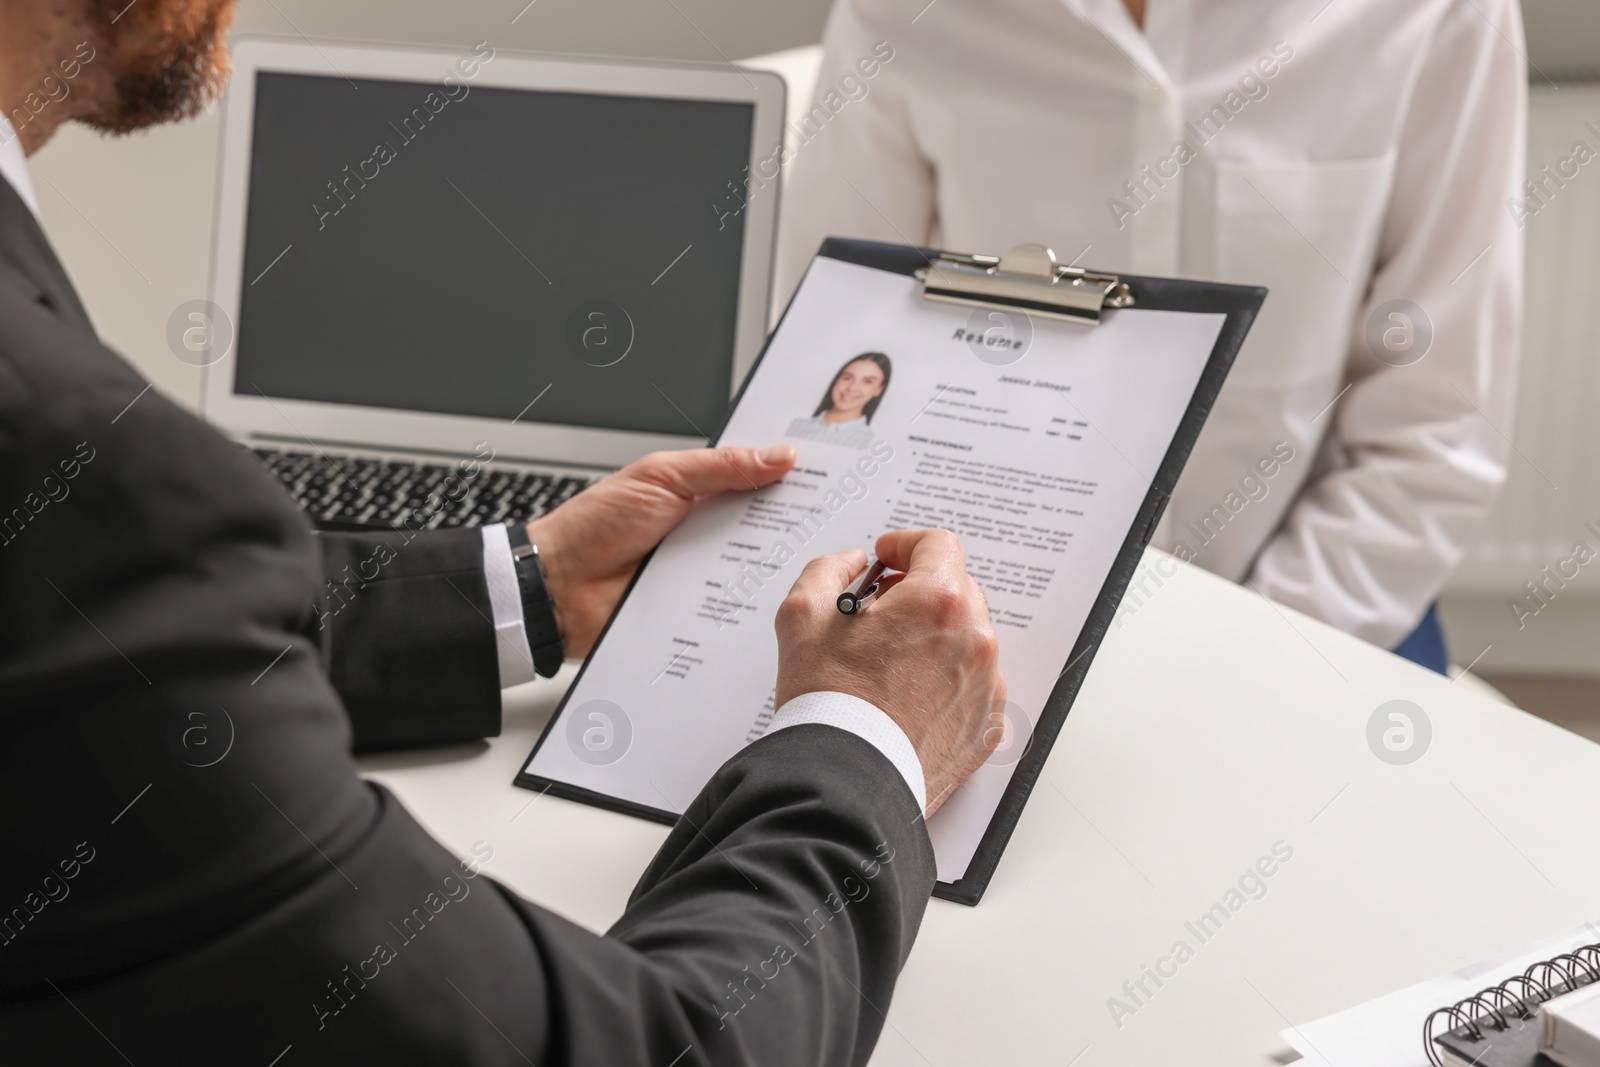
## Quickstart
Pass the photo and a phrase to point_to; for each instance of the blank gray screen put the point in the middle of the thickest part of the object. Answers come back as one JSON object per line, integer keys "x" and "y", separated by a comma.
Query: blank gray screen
{"x": 453, "y": 257}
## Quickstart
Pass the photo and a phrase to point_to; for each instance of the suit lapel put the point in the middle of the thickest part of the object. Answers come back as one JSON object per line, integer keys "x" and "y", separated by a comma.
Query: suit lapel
{"x": 26, "y": 250}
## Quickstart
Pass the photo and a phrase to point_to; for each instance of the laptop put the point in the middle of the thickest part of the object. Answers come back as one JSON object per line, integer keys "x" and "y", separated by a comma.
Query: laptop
{"x": 452, "y": 287}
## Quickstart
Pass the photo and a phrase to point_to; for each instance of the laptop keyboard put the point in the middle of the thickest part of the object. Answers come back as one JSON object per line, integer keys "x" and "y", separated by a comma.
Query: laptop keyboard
{"x": 344, "y": 493}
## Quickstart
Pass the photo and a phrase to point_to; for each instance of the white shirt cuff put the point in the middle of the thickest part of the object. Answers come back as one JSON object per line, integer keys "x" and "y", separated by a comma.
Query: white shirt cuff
{"x": 864, "y": 719}
{"x": 505, "y": 601}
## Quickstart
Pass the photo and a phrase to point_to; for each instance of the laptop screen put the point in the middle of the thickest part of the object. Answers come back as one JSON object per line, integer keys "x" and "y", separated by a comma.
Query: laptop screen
{"x": 481, "y": 252}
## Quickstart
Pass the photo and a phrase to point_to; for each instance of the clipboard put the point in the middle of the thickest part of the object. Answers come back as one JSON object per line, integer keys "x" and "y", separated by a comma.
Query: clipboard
{"x": 1029, "y": 280}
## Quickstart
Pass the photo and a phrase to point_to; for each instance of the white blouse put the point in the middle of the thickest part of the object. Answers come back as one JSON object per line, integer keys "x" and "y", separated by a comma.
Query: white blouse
{"x": 1361, "y": 158}
{"x": 855, "y": 433}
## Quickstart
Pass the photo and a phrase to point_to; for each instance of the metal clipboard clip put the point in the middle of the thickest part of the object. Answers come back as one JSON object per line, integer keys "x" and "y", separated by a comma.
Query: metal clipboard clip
{"x": 1027, "y": 278}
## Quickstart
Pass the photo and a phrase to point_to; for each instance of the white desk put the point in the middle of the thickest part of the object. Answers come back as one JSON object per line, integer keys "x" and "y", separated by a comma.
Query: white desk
{"x": 1212, "y": 725}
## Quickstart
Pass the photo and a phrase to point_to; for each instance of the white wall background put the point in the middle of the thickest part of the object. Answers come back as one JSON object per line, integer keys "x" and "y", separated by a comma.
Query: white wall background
{"x": 1563, "y": 38}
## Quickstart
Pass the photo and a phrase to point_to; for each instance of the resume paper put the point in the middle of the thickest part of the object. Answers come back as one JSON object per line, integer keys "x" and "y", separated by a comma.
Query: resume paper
{"x": 1034, "y": 440}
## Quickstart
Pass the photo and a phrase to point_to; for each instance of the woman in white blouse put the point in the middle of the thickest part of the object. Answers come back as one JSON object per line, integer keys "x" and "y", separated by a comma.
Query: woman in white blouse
{"x": 1355, "y": 156}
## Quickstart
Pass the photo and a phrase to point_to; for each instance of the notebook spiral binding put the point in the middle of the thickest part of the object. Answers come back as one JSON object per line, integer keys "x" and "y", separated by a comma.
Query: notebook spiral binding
{"x": 1517, "y": 998}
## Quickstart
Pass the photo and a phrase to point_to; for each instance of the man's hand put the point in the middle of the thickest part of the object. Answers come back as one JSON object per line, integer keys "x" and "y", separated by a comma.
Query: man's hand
{"x": 591, "y": 545}
{"x": 922, "y": 650}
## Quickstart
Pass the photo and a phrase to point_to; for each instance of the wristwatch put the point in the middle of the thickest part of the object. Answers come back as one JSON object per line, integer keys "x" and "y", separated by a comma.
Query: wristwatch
{"x": 538, "y": 607}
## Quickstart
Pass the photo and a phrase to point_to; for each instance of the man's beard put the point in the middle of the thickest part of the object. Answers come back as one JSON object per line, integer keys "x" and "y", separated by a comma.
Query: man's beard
{"x": 167, "y": 60}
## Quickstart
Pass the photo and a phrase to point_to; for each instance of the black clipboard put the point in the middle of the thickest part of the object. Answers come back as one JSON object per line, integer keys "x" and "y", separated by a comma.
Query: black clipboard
{"x": 1027, "y": 279}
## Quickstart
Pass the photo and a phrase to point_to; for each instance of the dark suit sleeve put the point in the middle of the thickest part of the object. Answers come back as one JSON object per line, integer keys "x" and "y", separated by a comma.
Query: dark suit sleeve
{"x": 406, "y": 630}
{"x": 770, "y": 930}
{"x": 772, "y": 925}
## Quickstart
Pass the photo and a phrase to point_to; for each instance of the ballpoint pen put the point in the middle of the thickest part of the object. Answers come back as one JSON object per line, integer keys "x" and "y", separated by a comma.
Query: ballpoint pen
{"x": 862, "y": 589}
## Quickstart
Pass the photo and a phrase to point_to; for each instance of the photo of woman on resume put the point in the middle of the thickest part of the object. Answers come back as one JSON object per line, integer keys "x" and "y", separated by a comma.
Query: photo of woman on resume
{"x": 844, "y": 416}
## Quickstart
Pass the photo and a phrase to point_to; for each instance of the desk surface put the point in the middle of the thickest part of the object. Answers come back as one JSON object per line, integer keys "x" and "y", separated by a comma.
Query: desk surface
{"x": 1213, "y": 725}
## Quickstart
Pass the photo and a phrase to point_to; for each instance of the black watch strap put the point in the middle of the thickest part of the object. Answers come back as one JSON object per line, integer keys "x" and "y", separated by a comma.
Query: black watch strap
{"x": 538, "y": 606}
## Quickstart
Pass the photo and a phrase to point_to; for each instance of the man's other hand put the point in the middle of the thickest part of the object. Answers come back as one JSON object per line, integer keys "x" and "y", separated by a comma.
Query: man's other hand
{"x": 922, "y": 650}
{"x": 592, "y": 545}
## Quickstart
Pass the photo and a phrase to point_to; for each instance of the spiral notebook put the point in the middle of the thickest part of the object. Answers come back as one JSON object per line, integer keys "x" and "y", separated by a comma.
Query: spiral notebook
{"x": 1501, "y": 1026}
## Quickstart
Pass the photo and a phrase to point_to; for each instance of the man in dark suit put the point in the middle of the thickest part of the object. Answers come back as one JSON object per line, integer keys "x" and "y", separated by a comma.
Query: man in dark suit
{"x": 270, "y": 907}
